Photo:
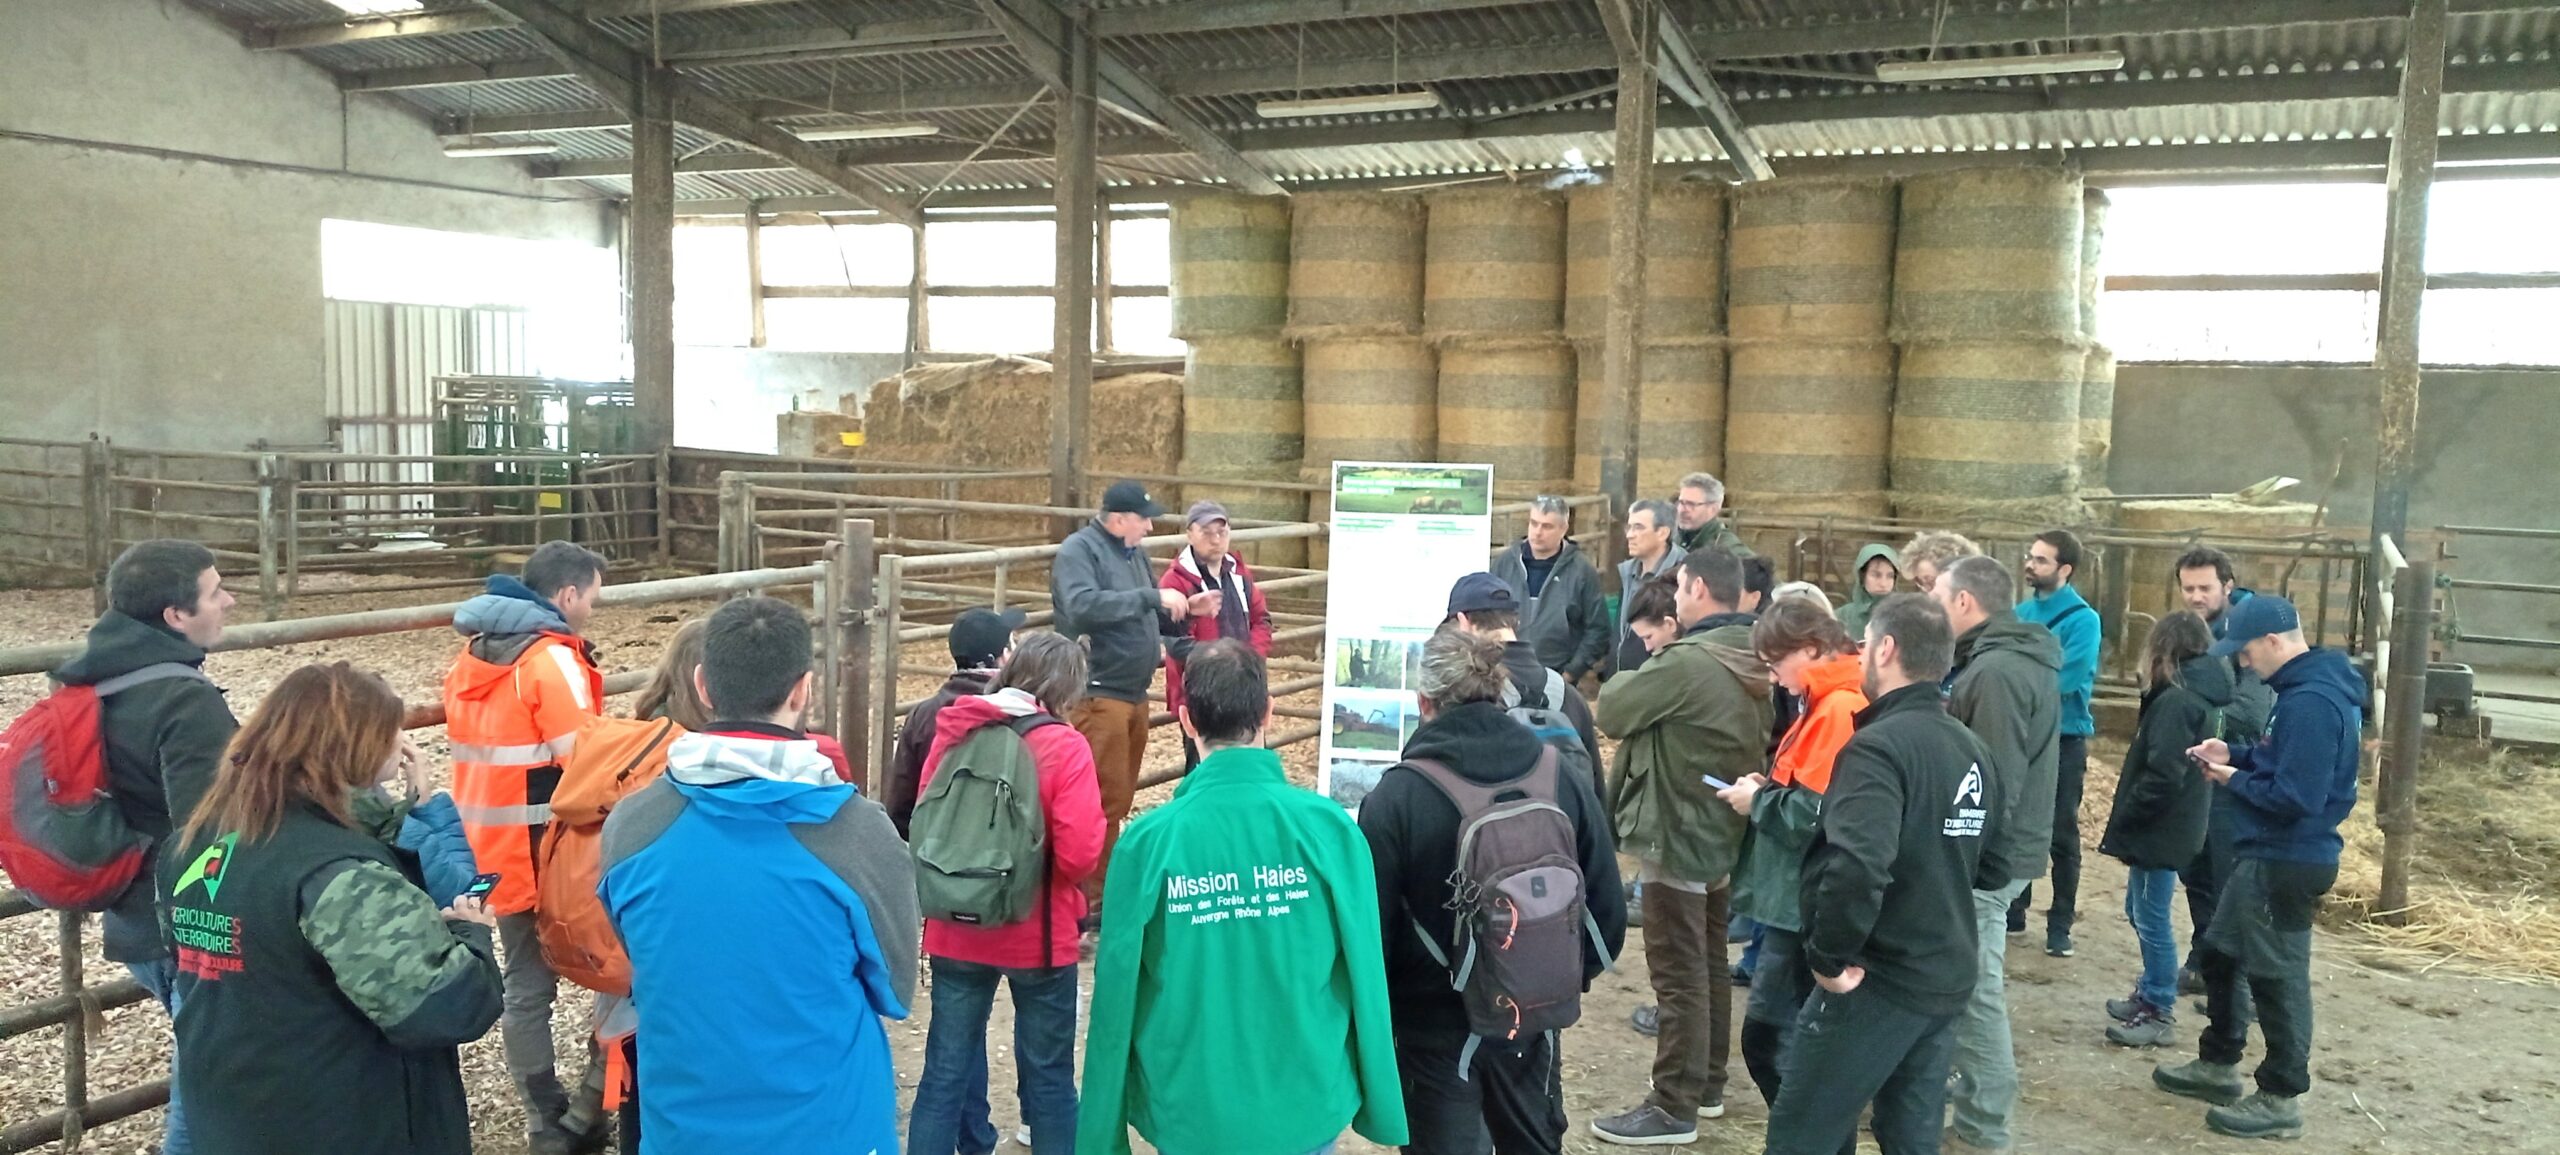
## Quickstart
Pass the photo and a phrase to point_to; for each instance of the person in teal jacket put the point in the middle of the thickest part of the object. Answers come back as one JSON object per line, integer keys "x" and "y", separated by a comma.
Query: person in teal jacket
{"x": 1240, "y": 990}
{"x": 2052, "y": 560}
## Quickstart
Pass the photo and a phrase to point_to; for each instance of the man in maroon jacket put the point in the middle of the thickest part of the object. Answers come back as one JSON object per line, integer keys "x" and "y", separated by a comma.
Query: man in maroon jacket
{"x": 1207, "y": 565}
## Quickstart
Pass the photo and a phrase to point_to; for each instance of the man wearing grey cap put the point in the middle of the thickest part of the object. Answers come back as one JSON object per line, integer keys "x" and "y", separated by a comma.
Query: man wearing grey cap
{"x": 1235, "y": 609}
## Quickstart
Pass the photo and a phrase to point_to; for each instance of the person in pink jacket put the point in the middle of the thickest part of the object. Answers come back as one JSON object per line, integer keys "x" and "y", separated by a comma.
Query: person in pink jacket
{"x": 1043, "y": 678}
{"x": 1209, "y": 566}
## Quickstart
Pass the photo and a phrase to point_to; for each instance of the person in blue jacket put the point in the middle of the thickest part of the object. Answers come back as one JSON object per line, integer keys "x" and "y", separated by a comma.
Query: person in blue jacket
{"x": 2288, "y": 793}
{"x": 2052, "y": 559}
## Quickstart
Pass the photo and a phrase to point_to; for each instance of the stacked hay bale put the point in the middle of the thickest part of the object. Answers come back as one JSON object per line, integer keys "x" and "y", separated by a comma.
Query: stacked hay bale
{"x": 1681, "y": 404}
{"x": 1493, "y": 301}
{"x": 1355, "y": 307}
{"x": 2098, "y": 370}
{"x": 995, "y": 413}
{"x": 1243, "y": 405}
{"x": 1809, "y": 398}
{"x": 1986, "y": 306}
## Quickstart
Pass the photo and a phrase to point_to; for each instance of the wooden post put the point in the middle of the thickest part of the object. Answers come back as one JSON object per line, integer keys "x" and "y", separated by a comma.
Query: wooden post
{"x": 883, "y": 622}
{"x": 734, "y": 527}
{"x": 649, "y": 229}
{"x": 665, "y": 466}
{"x": 270, "y": 589}
{"x": 919, "y": 319}
{"x": 850, "y": 617}
{"x": 822, "y": 601}
{"x": 1630, "y": 200}
{"x": 2404, "y": 735}
{"x": 1071, "y": 388}
{"x": 75, "y": 1037}
{"x": 97, "y": 500}
{"x": 2404, "y": 274}
{"x": 755, "y": 274}
{"x": 1105, "y": 336}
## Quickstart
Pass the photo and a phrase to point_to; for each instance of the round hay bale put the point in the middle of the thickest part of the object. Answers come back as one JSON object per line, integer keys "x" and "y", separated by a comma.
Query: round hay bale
{"x": 2097, "y": 413}
{"x": 1988, "y": 254}
{"x": 1509, "y": 404}
{"x": 1680, "y": 411}
{"x": 1370, "y": 399}
{"x": 1985, "y": 422}
{"x": 1806, "y": 428}
{"x": 2093, "y": 235}
{"x": 1230, "y": 265}
{"x": 1242, "y": 406}
{"x": 1683, "y": 263}
{"x": 1494, "y": 265}
{"x": 2151, "y": 572}
{"x": 1355, "y": 265}
{"x": 1231, "y": 486}
{"x": 1811, "y": 261}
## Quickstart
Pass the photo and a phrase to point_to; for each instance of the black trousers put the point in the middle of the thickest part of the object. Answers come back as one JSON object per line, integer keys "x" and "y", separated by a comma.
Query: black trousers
{"x": 1511, "y": 1101}
{"x": 1779, "y": 989}
{"x": 2203, "y": 877}
{"x": 2266, "y": 919}
{"x": 2067, "y": 788}
{"x": 1859, "y": 1048}
{"x": 627, "y": 1117}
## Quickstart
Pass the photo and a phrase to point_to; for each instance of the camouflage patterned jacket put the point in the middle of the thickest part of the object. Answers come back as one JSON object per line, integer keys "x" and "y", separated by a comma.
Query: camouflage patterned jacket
{"x": 423, "y": 980}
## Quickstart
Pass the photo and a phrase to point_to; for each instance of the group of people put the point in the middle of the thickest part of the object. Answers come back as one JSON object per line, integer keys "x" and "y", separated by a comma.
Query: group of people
{"x": 1865, "y": 793}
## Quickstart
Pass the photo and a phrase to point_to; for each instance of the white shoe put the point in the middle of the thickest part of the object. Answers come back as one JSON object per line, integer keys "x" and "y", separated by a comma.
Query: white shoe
{"x": 1022, "y": 1136}
{"x": 1711, "y": 1110}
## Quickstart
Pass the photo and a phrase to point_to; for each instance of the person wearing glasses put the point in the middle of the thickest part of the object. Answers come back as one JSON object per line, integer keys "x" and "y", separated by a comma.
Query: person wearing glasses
{"x": 2052, "y": 559}
{"x": 1701, "y": 516}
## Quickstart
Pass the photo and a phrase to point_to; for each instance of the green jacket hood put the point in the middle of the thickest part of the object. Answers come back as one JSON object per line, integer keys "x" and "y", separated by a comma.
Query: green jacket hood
{"x": 2005, "y": 633}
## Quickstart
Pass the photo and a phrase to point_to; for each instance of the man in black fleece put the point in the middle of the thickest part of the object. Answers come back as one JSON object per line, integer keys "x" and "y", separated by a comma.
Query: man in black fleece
{"x": 1510, "y": 1098}
{"x": 1480, "y": 604}
{"x": 1909, "y": 829}
{"x": 980, "y": 641}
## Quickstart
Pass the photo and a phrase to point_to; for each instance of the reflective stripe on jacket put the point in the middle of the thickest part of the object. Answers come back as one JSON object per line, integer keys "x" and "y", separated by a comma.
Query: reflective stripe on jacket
{"x": 511, "y": 724}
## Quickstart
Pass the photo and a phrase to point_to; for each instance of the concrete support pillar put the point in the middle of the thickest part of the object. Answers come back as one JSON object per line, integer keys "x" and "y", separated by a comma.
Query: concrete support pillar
{"x": 650, "y": 242}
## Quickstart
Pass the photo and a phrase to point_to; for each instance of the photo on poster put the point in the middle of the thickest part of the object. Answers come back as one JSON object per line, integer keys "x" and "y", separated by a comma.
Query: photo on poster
{"x": 1347, "y": 781}
{"x": 1447, "y": 491}
{"x": 1374, "y": 663}
{"x": 1369, "y": 720}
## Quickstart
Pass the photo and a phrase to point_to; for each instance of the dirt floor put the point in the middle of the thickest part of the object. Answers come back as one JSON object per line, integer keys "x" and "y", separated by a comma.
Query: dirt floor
{"x": 2418, "y": 1051}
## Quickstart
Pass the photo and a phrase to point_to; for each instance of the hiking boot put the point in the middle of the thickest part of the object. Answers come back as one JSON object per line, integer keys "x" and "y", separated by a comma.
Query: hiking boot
{"x": 2190, "y": 981}
{"x": 1646, "y": 1126}
{"x": 2058, "y": 943}
{"x": 2216, "y": 1083}
{"x": 2151, "y": 1027}
{"x": 2017, "y": 922}
{"x": 1647, "y": 1020}
{"x": 2260, "y": 1116}
{"x": 2124, "y": 1010}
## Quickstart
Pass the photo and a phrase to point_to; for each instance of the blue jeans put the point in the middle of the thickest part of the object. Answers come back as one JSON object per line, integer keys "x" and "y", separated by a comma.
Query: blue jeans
{"x": 160, "y": 977}
{"x": 2148, "y": 893}
{"x": 1746, "y": 930}
{"x": 951, "y": 1115}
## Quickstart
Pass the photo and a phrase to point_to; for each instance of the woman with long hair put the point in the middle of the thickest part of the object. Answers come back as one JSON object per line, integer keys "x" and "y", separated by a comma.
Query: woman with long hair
{"x": 322, "y": 993}
{"x": 2162, "y": 803}
{"x": 670, "y": 693}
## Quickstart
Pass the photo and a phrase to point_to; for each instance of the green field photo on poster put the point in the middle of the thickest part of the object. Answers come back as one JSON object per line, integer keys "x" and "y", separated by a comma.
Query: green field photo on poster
{"x": 1446, "y": 492}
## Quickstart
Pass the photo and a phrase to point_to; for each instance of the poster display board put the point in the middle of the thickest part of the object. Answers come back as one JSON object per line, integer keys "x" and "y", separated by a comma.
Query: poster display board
{"x": 1403, "y": 533}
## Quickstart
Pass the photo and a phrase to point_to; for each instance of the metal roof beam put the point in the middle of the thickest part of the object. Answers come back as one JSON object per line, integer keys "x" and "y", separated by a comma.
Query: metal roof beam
{"x": 1221, "y": 15}
{"x": 1683, "y": 72}
{"x": 2053, "y": 21}
{"x": 770, "y": 108}
{"x": 326, "y": 33}
{"x": 1042, "y": 34}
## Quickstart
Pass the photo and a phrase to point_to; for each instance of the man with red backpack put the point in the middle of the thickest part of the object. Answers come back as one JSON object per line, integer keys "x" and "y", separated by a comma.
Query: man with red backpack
{"x": 1482, "y": 793}
{"x": 163, "y": 728}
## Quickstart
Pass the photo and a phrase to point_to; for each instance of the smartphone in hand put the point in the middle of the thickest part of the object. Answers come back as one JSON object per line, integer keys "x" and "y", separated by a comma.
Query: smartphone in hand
{"x": 1714, "y": 781}
{"x": 481, "y": 885}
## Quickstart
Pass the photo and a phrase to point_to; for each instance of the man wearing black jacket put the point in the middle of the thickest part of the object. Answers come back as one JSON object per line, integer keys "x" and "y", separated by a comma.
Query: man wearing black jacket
{"x": 1510, "y": 1097}
{"x": 1909, "y": 829}
{"x": 980, "y": 640}
{"x": 1480, "y": 604}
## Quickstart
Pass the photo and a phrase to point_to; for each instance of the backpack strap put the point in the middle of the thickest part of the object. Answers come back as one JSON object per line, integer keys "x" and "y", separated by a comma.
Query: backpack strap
{"x": 665, "y": 727}
{"x": 1022, "y": 728}
{"x": 156, "y": 672}
{"x": 1472, "y": 797}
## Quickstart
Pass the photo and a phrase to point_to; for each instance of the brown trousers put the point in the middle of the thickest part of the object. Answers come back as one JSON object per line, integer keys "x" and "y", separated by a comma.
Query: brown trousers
{"x": 1117, "y": 731}
{"x": 1684, "y": 949}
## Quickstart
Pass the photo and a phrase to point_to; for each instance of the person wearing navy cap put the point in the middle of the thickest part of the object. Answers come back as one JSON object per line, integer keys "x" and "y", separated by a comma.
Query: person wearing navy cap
{"x": 980, "y": 640}
{"x": 2288, "y": 792}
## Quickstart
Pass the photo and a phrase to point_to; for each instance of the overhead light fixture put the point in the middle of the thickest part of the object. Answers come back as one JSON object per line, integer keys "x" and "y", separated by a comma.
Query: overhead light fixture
{"x": 462, "y": 146}
{"x": 377, "y": 7}
{"x": 1993, "y": 67}
{"x": 880, "y": 131}
{"x": 1418, "y": 100}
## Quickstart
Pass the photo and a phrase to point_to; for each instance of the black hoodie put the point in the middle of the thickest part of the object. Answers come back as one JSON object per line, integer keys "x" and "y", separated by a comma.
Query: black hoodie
{"x": 163, "y": 741}
{"x": 2163, "y": 798}
{"x": 1413, "y": 837}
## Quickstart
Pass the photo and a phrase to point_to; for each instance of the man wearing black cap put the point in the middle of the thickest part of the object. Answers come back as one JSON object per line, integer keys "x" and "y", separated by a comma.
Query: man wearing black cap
{"x": 1483, "y": 605}
{"x": 980, "y": 641}
{"x": 1235, "y": 607}
{"x": 2288, "y": 793}
{"x": 1105, "y": 594}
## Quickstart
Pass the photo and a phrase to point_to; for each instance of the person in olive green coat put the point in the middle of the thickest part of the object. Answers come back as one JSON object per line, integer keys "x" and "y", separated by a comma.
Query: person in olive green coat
{"x": 1698, "y": 708}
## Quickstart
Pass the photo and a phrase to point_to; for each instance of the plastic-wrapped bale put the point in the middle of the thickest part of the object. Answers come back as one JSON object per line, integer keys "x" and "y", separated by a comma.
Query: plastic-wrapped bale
{"x": 1370, "y": 399}
{"x": 1232, "y": 487}
{"x": 1806, "y": 428}
{"x": 1988, "y": 254}
{"x": 1242, "y": 404}
{"x": 1811, "y": 260}
{"x": 1683, "y": 263}
{"x": 1230, "y": 265}
{"x": 1355, "y": 265}
{"x": 1509, "y": 404}
{"x": 1680, "y": 416}
{"x": 2097, "y": 414}
{"x": 2093, "y": 235}
{"x": 1985, "y": 428}
{"x": 1494, "y": 265}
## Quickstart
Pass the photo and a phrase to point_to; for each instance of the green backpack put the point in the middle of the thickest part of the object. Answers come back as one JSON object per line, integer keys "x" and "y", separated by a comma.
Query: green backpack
{"x": 979, "y": 837}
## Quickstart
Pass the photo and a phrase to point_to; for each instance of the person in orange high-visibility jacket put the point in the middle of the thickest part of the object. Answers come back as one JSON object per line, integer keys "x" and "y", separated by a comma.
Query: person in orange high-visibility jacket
{"x": 514, "y": 701}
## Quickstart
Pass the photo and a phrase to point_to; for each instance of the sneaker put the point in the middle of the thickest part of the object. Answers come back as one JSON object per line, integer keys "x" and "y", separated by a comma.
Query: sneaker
{"x": 2058, "y": 943}
{"x": 2017, "y": 922}
{"x": 2216, "y": 1083}
{"x": 1713, "y": 1110}
{"x": 2190, "y": 981}
{"x": 1646, "y": 1126}
{"x": 2260, "y": 1116}
{"x": 2153, "y": 1027}
{"x": 1022, "y": 1136}
{"x": 1647, "y": 1020}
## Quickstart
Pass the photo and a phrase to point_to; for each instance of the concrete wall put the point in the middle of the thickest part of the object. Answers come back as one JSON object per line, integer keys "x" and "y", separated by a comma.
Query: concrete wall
{"x": 163, "y": 188}
{"x": 727, "y": 397}
{"x": 2482, "y": 439}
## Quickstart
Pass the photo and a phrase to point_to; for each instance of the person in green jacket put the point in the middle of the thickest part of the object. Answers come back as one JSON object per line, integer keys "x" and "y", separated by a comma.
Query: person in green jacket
{"x": 1699, "y": 708}
{"x": 1699, "y": 515}
{"x": 1240, "y": 991}
{"x": 1877, "y": 575}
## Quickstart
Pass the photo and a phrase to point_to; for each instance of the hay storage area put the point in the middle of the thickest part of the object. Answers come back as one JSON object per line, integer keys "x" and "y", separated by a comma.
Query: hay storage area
{"x": 1988, "y": 254}
{"x": 1355, "y": 265}
{"x": 1230, "y": 259}
{"x": 2093, "y": 238}
{"x": 1987, "y": 426}
{"x": 2481, "y": 877}
{"x": 1230, "y": 486}
{"x": 1509, "y": 404}
{"x": 1811, "y": 260}
{"x": 2097, "y": 414}
{"x": 1370, "y": 399}
{"x": 995, "y": 413}
{"x": 1806, "y": 427}
{"x": 1683, "y": 263}
{"x": 1243, "y": 404}
{"x": 1494, "y": 265}
{"x": 1681, "y": 408}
